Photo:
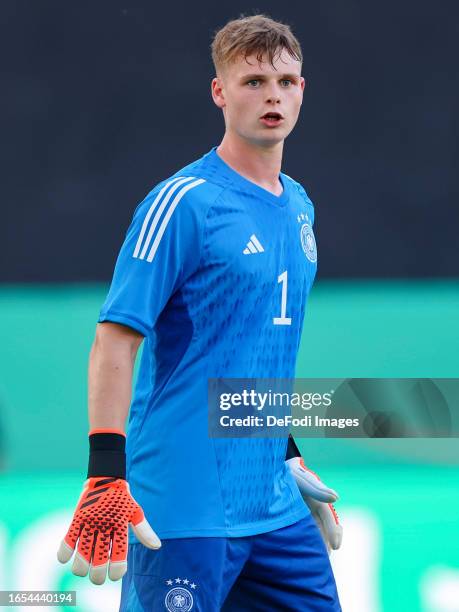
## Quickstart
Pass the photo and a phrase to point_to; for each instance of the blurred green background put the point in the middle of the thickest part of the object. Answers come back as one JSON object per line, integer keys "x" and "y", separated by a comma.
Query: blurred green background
{"x": 399, "y": 498}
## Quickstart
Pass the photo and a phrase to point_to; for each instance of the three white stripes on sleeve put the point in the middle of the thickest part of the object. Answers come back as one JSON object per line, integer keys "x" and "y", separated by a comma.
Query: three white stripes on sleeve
{"x": 144, "y": 243}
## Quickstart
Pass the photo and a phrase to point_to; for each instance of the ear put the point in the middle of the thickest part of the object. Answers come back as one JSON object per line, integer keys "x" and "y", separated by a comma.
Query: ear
{"x": 302, "y": 84}
{"x": 218, "y": 95}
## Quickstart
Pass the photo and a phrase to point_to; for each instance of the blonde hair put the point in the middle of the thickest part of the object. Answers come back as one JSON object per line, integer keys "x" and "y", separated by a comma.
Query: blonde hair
{"x": 257, "y": 35}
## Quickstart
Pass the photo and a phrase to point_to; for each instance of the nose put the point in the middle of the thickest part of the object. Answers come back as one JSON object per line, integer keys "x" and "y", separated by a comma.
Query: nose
{"x": 273, "y": 95}
{"x": 273, "y": 98}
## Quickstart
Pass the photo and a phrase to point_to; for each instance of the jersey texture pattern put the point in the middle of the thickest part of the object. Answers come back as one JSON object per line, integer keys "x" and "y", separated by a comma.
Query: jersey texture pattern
{"x": 215, "y": 272}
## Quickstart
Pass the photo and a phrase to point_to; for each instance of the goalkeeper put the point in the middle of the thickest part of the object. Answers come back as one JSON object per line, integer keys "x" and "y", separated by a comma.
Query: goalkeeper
{"x": 213, "y": 277}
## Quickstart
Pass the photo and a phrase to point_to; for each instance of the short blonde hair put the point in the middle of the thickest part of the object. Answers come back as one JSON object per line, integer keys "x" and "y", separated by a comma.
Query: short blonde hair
{"x": 257, "y": 35}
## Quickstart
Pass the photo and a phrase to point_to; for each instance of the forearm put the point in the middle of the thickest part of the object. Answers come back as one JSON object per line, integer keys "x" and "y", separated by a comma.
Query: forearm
{"x": 111, "y": 364}
{"x": 106, "y": 507}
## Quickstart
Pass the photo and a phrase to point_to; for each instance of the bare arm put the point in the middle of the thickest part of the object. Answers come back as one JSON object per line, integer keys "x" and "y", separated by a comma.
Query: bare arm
{"x": 106, "y": 507}
{"x": 111, "y": 365}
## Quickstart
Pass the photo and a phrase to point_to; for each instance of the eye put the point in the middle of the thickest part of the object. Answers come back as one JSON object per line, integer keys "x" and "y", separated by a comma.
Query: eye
{"x": 253, "y": 82}
{"x": 286, "y": 82}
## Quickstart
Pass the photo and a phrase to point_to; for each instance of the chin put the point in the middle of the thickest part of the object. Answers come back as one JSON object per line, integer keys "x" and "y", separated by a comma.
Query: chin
{"x": 267, "y": 137}
{"x": 270, "y": 140}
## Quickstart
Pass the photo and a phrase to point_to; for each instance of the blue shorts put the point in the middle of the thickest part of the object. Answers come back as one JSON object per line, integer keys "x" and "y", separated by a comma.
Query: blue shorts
{"x": 285, "y": 569}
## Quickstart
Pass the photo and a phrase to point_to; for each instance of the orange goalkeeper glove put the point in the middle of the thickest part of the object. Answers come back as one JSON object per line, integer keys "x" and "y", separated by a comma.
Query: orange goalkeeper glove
{"x": 317, "y": 496}
{"x": 105, "y": 509}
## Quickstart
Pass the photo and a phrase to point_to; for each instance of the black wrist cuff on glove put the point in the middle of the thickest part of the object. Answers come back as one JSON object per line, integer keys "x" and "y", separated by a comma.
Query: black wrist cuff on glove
{"x": 292, "y": 449}
{"x": 107, "y": 456}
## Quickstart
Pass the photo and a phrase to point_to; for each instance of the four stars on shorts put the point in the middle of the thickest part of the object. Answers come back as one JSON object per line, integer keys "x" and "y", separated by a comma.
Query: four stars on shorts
{"x": 184, "y": 581}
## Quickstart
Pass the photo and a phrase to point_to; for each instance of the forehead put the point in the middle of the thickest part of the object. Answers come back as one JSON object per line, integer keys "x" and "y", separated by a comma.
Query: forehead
{"x": 282, "y": 62}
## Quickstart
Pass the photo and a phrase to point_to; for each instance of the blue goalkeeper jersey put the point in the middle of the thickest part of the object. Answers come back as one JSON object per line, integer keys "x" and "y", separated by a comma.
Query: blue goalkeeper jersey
{"x": 215, "y": 272}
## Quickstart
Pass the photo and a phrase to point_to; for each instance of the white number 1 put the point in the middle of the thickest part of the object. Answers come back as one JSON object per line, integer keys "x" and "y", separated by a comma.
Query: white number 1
{"x": 283, "y": 320}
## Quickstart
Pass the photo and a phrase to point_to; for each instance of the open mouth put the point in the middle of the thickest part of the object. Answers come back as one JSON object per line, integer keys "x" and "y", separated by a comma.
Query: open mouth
{"x": 272, "y": 118}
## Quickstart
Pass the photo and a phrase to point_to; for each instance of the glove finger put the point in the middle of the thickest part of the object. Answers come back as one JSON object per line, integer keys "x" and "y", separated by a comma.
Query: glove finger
{"x": 101, "y": 548}
{"x": 99, "y": 563}
{"x": 146, "y": 535}
{"x": 337, "y": 539}
{"x": 323, "y": 532}
{"x": 67, "y": 546}
{"x": 64, "y": 552}
{"x": 329, "y": 519}
{"x": 80, "y": 566}
{"x": 83, "y": 554}
{"x": 143, "y": 531}
{"x": 98, "y": 573}
{"x": 118, "y": 555}
{"x": 117, "y": 569}
{"x": 311, "y": 485}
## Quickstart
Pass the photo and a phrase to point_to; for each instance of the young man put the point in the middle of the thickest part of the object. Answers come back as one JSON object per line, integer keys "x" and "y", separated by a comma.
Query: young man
{"x": 214, "y": 276}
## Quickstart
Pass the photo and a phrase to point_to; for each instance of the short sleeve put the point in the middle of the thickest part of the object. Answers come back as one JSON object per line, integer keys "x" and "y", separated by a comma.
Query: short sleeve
{"x": 161, "y": 250}
{"x": 307, "y": 200}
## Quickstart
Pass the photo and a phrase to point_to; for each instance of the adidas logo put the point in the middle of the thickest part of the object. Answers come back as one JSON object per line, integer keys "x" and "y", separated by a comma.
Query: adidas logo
{"x": 253, "y": 246}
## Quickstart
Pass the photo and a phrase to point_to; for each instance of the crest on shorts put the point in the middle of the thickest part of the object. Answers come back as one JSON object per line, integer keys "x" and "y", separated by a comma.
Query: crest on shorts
{"x": 179, "y": 598}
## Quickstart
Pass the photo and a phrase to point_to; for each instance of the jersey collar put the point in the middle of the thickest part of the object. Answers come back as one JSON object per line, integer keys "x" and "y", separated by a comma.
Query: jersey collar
{"x": 246, "y": 185}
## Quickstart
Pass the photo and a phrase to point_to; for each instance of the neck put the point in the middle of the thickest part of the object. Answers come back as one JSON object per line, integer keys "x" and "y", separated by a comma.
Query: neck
{"x": 261, "y": 165}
